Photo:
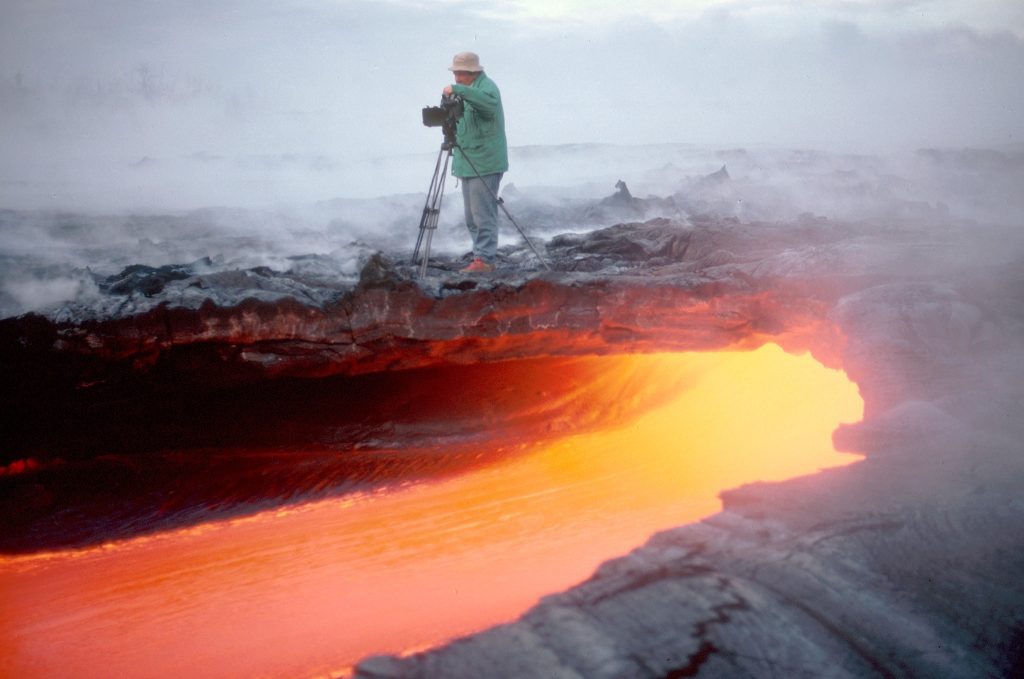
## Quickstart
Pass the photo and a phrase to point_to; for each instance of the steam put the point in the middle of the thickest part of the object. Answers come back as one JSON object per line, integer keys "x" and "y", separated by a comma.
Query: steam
{"x": 127, "y": 105}
{"x": 37, "y": 293}
{"x": 55, "y": 257}
{"x": 129, "y": 137}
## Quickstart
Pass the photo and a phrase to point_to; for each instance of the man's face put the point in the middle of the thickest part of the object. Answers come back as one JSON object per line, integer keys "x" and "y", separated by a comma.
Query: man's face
{"x": 465, "y": 77}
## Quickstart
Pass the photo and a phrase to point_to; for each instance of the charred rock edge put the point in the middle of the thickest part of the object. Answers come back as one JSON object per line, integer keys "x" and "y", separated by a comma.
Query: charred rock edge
{"x": 389, "y": 321}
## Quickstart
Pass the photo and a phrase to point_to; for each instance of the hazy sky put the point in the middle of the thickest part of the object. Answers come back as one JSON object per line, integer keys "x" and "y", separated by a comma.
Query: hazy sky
{"x": 91, "y": 86}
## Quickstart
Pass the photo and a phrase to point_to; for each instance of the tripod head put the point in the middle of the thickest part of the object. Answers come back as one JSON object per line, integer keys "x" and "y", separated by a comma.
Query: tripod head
{"x": 446, "y": 116}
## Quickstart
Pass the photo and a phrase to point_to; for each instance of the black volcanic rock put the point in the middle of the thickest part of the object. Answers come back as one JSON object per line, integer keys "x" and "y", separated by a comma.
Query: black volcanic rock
{"x": 718, "y": 178}
{"x": 147, "y": 280}
{"x": 622, "y": 196}
{"x": 380, "y": 273}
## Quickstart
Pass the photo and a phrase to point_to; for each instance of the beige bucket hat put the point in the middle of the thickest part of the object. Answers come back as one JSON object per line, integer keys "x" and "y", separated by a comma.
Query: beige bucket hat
{"x": 466, "y": 61}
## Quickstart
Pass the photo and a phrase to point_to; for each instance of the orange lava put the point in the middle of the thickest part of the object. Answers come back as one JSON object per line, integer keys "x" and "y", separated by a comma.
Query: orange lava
{"x": 307, "y": 591}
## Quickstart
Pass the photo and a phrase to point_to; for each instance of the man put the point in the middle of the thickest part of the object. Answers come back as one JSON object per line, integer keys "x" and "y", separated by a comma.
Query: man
{"x": 481, "y": 157}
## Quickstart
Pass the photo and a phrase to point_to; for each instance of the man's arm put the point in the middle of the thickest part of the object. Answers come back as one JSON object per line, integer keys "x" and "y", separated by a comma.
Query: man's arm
{"x": 485, "y": 101}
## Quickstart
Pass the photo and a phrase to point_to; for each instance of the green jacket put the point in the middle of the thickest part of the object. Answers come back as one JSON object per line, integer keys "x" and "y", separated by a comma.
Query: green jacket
{"x": 481, "y": 131}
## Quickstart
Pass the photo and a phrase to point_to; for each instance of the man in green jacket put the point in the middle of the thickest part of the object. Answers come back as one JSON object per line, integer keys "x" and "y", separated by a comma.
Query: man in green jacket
{"x": 481, "y": 157}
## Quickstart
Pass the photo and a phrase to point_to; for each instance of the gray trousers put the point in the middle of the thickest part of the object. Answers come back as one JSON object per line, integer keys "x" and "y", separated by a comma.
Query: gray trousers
{"x": 482, "y": 214}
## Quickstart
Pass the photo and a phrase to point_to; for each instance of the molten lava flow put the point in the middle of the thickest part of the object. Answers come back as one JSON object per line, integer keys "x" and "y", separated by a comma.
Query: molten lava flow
{"x": 311, "y": 589}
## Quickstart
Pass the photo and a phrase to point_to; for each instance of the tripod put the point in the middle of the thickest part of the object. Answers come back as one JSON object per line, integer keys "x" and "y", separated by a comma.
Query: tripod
{"x": 432, "y": 208}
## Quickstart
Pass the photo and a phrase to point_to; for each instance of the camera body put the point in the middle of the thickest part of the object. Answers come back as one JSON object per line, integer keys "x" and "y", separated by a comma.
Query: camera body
{"x": 445, "y": 115}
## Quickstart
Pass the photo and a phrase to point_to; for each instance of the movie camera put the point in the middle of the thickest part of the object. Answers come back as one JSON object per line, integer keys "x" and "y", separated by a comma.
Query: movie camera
{"x": 445, "y": 116}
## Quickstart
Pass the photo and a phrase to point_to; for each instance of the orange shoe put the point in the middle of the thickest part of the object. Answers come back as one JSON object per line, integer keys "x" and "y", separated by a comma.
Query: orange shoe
{"x": 477, "y": 266}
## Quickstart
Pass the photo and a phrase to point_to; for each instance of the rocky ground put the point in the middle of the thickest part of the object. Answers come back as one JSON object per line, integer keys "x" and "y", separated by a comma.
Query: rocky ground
{"x": 906, "y": 564}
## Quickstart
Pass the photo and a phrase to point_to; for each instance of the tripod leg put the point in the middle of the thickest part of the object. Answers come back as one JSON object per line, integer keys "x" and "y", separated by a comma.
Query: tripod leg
{"x": 431, "y": 203}
{"x": 432, "y": 211}
{"x": 501, "y": 203}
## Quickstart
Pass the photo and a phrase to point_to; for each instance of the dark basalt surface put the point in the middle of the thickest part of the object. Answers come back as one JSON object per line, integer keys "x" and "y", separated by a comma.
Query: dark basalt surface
{"x": 906, "y": 564}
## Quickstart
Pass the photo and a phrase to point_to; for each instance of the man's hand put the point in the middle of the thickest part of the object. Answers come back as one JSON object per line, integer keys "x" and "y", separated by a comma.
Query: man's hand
{"x": 447, "y": 90}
